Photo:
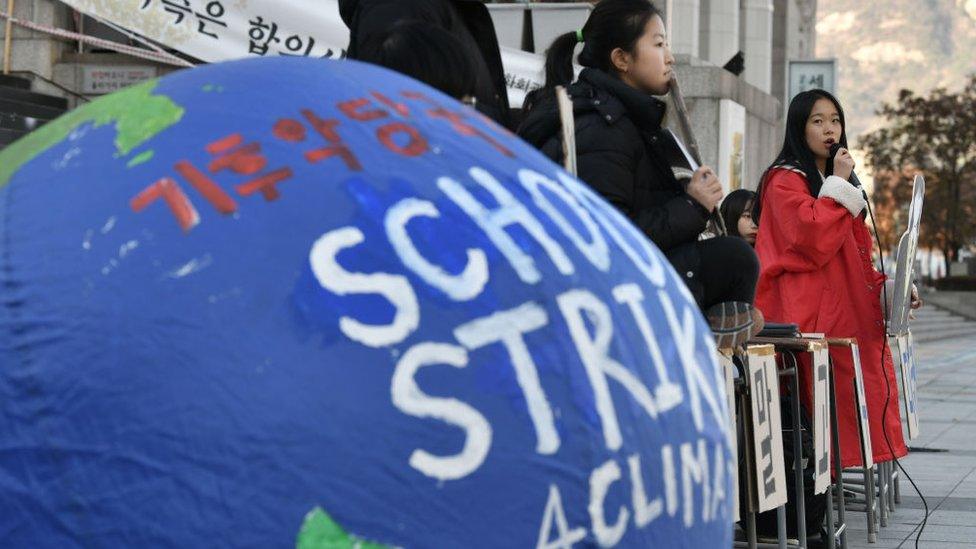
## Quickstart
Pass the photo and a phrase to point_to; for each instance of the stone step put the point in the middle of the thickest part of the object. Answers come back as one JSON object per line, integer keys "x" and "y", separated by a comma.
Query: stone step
{"x": 928, "y": 317}
{"x": 933, "y": 307}
{"x": 965, "y": 330}
{"x": 952, "y": 330}
{"x": 33, "y": 110}
{"x": 14, "y": 82}
{"x": 933, "y": 312}
{"x": 34, "y": 98}
{"x": 8, "y": 136}
{"x": 11, "y": 121}
{"x": 941, "y": 325}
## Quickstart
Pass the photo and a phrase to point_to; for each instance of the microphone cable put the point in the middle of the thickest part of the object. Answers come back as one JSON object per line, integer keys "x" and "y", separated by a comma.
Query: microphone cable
{"x": 884, "y": 373}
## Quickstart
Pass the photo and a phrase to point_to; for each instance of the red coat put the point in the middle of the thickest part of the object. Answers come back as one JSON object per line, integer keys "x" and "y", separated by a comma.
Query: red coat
{"x": 816, "y": 271}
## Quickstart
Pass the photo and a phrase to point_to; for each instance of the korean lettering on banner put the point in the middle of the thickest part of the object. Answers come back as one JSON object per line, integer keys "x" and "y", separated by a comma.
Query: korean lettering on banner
{"x": 821, "y": 419}
{"x": 521, "y": 83}
{"x": 206, "y": 19}
{"x": 767, "y": 436}
{"x": 264, "y": 36}
{"x": 863, "y": 427}
{"x": 728, "y": 371}
{"x": 909, "y": 382}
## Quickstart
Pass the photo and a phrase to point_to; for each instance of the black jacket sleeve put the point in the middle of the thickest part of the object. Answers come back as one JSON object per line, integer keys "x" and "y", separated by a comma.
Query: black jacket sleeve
{"x": 608, "y": 160}
{"x": 678, "y": 221}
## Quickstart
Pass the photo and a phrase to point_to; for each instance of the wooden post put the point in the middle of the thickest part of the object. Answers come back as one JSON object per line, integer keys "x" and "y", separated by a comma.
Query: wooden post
{"x": 684, "y": 122}
{"x": 7, "y": 31}
{"x": 568, "y": 124}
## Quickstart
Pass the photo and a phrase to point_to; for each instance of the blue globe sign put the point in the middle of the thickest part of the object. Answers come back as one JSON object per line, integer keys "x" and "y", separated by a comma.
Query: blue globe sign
{"x": 310, "y": 303}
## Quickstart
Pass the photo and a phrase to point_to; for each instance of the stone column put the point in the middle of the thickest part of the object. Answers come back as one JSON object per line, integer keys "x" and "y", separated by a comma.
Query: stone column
{"x": 756, "y": 38}
{"x": 719, "y": 30}
{"x": 794, "y": 38}
{"x": 30, "y": 50}
{"x": 685, "y": 27}
{"x": 783, "y": 14}
{"x": 705, "y": 86}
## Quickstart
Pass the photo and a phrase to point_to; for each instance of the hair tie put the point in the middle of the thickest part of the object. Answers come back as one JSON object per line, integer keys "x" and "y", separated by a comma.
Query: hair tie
{"x": 579, "y": 36}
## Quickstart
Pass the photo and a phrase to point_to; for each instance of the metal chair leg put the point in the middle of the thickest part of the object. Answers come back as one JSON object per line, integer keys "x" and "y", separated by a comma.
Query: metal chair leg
{"x": 801, "y": 515}
{"x": 781, "y": 526}
{"x": 835, "y": 450}
{"x": 892, "y": 479}
{"x": 897, "y": 489}
{"x": 871, "y": 506}
{"x": 751, "y": 530}
{"x": 829, "y": 517}
{"x": 883, "y": 493}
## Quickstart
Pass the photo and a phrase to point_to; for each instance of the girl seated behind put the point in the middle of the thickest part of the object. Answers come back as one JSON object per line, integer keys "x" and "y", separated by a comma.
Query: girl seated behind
{"x": 736, "y": 211}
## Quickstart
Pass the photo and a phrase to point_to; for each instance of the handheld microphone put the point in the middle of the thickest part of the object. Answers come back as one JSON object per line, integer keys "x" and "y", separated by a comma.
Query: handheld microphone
{"x": 853, "y": 180}
{"x": 833, "y": 152}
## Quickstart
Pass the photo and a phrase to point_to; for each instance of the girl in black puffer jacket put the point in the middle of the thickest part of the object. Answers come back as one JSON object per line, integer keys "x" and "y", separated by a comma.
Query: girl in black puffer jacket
{"x": 623, "y": 152}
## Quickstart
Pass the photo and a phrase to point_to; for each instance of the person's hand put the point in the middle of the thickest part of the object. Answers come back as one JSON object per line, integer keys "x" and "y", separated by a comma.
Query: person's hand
{"x": 843, "y": 164}
{"x": 705, "y": 188}
{"x": 916, "y": 300}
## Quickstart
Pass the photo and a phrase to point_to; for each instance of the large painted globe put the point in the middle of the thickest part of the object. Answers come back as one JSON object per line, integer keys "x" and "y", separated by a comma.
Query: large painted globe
{"x": 290, "y": 302}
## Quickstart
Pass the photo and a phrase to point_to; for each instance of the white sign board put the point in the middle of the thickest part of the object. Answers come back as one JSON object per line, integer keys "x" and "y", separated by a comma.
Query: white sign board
{"x": 218, "y": 30}
{"x": 767, "y": 431}
{"x": 863, "y": 425}
{"x": 909, "y": 382}
{"x": 812, "y": 74}
{"x": 731, "y": 144}
{"x": 96, "y": 80}
{"x": 821, "y": 419}
{"x": 728, "y": 371}
{"x": 904, "y": 266}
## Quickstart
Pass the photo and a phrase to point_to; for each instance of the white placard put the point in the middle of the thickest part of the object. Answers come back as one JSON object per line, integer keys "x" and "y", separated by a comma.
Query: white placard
{"x": 804, "y": 75}
{"x": 821, "y": 420}
{"x": 909, "y": 382}
{"x": 767, "y": 431}
{"x": 728, "y": 371}
{"x": 731, "y": 145}
{"x": 692, "y": 165}
{"x": 905, "y": 263}
{"x": 218, "y": 30}
{"x": 96, "y": 80}
{"x": 863, "y": 423}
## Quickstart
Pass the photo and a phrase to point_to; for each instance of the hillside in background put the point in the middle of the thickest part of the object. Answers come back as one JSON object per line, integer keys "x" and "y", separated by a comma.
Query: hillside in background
{"x": 883, "y": 46}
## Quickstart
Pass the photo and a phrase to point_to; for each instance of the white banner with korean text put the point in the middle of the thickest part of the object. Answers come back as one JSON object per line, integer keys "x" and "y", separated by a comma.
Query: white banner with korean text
{"x": 218, "y": 30}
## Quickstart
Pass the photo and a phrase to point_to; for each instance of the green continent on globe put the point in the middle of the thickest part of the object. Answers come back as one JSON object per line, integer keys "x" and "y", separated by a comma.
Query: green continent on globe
{"x": 319, "y": 531}
{"x": 137, "y": 113}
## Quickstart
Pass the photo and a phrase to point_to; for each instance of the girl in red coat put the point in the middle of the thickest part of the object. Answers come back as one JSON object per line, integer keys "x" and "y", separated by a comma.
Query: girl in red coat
{"x": 816, "y": 271}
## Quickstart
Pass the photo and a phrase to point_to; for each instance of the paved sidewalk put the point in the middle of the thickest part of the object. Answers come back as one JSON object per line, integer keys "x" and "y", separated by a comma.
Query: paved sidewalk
{"x": 947, "y": 410}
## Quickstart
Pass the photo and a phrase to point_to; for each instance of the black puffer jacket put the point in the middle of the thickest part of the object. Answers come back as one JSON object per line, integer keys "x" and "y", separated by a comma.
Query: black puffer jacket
{"x": 468, "y": 20}
{"x": 620, "y": 154}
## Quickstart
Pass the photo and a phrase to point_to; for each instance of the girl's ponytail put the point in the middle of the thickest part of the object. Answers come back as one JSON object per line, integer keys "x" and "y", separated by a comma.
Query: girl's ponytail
{"x": 559, "y": 60}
